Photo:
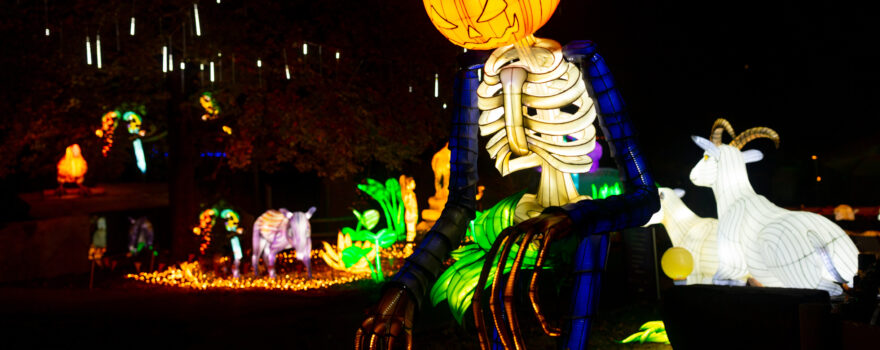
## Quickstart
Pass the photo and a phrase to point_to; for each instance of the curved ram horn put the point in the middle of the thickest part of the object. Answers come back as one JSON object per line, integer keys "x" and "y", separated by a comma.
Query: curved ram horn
{"x": 717, "y": 130}
{"x": 754, "y": 133}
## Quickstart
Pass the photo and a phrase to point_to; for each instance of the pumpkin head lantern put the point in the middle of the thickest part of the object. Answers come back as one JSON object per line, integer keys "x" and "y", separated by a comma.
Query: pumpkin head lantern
{"x": 488, "y": 24}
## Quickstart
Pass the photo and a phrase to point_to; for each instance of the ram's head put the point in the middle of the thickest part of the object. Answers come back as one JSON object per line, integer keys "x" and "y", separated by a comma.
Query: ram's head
{"x": 706, "y": 172}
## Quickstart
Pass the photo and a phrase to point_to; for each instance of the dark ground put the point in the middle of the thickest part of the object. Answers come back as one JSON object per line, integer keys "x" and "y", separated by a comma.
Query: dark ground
{"x": 119, "y": 312}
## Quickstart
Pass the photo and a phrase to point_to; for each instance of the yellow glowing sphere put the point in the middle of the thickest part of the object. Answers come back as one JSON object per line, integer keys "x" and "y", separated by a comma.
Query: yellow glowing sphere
{"x": 677, "y": 263}
{"x": 485, "y": 25}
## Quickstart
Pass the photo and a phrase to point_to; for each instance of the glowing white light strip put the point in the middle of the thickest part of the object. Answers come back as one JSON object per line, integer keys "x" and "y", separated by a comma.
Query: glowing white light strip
{"x": 139, "y": 154}
{"x": 131, "y": 28}
{"x": 444, "y": 106}
{"x": 305, "y": 49}
{"x": 47, "y": 31}
{"x": 436, "y": 85}
{"x": 259, "y": 63}
{"x": 88, "y": 51}
{"x": 164, "y": 59}
{"x": 170, "y": 62}
{"x": 182, "y": 65}
{"x": 236, "y": 245}
{"x": 337, "y": 55}
{"x": 98, "y": 49}
{"x": 287, "y": 71}
{"x": 212, "y": 71}
{"x": 196, "y": 15}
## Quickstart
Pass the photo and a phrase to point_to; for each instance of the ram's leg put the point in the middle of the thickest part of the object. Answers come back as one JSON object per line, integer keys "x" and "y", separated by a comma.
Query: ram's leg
{"x": 533, "y": 290}
{"x": 589, "y": 266}
{"x": 476, "y": 302}
{"x": 509, "y": 289}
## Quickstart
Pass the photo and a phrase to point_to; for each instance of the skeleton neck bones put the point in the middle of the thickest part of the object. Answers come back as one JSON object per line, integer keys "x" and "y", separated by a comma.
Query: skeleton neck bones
{"x": 533, "y": 75}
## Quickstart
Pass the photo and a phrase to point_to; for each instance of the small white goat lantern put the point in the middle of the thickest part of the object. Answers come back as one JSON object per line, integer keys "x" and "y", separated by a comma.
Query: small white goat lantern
{"x": 757, "y": 239}
{"x": 687, "y": 230}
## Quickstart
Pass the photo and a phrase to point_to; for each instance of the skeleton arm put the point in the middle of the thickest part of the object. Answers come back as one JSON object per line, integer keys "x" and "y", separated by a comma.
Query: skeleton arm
{"x": 425, "y": 264}
{"x": 640, "y": 200}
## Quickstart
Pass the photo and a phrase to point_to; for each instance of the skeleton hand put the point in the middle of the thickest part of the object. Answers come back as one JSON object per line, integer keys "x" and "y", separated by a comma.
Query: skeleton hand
{"x": 545, "y": 228}
{"x": 389, "y": 322}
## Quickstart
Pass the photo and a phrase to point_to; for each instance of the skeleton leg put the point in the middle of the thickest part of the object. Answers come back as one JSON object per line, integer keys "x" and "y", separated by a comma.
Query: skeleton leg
{"x": 533, "y": 291}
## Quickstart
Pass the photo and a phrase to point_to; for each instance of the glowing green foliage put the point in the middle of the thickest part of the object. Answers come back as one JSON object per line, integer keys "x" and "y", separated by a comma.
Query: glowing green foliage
{"x": 389, "y": 199}
{"x": 650, "y": 332}
{"x": 606, "y": 191}
{"x": 458, "y": 282}
{"x": 388, "y": 196}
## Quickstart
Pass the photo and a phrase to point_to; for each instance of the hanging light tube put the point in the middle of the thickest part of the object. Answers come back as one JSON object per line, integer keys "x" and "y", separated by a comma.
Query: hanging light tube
{"x": 287, "y": 71}
{"x": 131, "y": 28}
{"x": 88, "y": 51}
{"x": 170, "y": 62}
{"x": 164, "y": 59}
{"x": 305, "y": 48}
{"x": 212, "y": 71}
{"x": 436, "y": 85}
{"x": 196, "y": 15}
{"x": 98, "y": 49}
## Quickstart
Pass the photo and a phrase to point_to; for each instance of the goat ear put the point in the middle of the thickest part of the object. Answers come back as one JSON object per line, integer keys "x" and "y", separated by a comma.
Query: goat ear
{"x": 706, "y": 145}
{"x": 752, "y": 155}
{"x": 679, "y": 192}
{"x": 310, "y": 212}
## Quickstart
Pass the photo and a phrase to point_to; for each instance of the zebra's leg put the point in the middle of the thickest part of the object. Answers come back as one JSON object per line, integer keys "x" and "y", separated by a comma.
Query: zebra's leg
{"x": 270, "y": 261}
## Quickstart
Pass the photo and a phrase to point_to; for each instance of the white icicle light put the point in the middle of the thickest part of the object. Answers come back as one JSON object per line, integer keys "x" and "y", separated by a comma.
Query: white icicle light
{"x": 287, "y": 71}
{"x": 305, "y": 49}
{"x": 88, "y": 51}
{"x": 47, "y": 31}
{"x": 170, "y": 62}
{"x": 436, "y": 85}
{"x": 444, "y": 106}
{"x": 337, "y": 55}
{"x": 131, "y": 28}
{"x": 212, "y": 71}
{"x": 259, "y": 63}
{"x": 182, "y": 65}
{"x": 98, "y": 49}
{"x": 196, "y": 16}
{"x": 164, "y": 59}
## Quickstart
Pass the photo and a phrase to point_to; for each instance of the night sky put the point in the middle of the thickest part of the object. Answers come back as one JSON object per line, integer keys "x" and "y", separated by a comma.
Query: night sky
{"x": 807, "y": 69}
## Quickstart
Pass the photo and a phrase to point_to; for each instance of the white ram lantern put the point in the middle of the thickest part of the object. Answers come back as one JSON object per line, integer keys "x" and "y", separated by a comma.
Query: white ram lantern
{"x": 759, "y": 240}
{"x": 697, "y": 235}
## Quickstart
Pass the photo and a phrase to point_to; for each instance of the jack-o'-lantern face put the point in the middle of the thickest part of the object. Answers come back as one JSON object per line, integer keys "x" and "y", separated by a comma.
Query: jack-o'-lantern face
{"x": 488, "y": 24}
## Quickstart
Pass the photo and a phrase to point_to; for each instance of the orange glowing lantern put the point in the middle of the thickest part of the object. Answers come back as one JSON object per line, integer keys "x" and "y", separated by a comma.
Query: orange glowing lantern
{"x": 484, "y": 25}
{"x": 72, "y": 167}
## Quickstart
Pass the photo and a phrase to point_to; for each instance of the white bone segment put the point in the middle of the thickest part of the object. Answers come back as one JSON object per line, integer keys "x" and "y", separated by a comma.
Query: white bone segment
{"x": 522, "y": 95}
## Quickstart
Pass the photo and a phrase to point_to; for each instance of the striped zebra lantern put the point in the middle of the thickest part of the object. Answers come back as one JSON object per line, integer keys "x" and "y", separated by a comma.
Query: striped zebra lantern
{"x": 772, "y": 246}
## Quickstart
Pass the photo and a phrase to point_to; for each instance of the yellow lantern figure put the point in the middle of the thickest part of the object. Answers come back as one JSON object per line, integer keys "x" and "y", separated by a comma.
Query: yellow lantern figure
{"x": 441, "y": 166}
{"x": 72, "y": 167}
{"x": 411, "y": 209}
{"x": 677, "y": 263}
{"x": 485, "y": 25}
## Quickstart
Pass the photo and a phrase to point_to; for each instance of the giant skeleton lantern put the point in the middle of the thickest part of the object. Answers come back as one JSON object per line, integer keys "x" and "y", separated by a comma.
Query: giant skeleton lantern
{"x": 535, "y": 105}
